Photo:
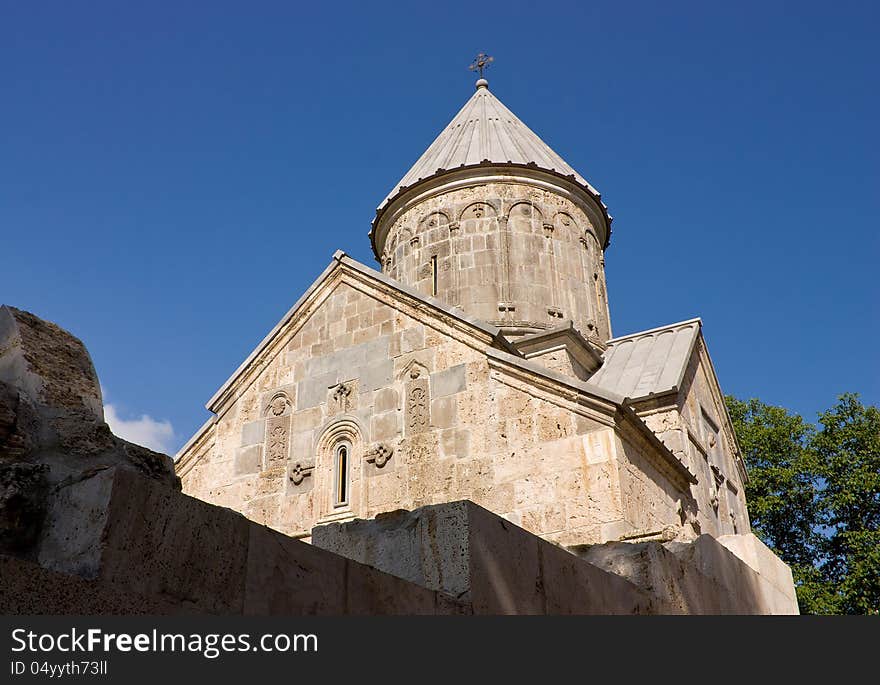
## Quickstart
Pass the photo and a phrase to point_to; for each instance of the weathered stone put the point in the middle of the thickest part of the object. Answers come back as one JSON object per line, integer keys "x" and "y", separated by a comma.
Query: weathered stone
{"x": 468, "y": 553}
{"x": 22, "y": 506}
{"x": 249, "y": 459}
{"x": 253, "y": 433}
{"x": 448, "y": 382}
{"x": 52, "y": 433}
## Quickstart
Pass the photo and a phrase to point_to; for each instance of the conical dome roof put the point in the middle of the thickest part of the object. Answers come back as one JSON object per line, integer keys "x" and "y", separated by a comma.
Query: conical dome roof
{"x": 485, "y": 131}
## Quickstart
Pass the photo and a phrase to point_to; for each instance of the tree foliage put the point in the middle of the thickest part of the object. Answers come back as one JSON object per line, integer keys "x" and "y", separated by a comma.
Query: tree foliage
{"x": 814, "y": 498}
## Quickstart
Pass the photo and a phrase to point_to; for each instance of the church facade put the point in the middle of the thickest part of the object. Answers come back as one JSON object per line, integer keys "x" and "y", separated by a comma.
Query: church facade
{"x": 477, "y": 363}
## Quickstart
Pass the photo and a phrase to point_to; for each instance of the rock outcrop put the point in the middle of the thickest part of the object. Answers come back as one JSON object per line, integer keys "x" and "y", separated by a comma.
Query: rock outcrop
{"x": 52, "y": 432}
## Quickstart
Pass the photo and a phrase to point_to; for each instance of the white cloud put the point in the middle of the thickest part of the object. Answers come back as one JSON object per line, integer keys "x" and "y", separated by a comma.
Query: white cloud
{"x": 146, "y": 431}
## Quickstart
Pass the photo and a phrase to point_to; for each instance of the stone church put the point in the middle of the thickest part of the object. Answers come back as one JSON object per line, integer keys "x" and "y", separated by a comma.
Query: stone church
{"x": 478, "y": 362}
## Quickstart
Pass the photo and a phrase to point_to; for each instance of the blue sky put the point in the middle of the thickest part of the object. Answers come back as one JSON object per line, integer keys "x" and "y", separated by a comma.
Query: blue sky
{"x": 174, "y": 175}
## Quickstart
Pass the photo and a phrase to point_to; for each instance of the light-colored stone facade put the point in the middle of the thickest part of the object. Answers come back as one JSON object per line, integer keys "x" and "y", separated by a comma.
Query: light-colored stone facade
{"x": 694, "y": 424}
{"x": 477, "y": 365}
{"x": 520, "y": 254}
{"x": 434, "y": 409}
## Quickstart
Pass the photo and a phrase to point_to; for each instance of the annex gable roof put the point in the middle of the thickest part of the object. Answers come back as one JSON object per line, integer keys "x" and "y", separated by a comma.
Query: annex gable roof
{"x": 648, "y": 363}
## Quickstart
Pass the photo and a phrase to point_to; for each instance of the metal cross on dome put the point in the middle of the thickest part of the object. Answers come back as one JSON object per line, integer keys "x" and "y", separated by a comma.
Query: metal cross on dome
{"x": 481, "y": 62}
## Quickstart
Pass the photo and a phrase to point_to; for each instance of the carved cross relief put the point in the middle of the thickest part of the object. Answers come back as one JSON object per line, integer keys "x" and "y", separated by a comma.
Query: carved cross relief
{"x": 380, "y": 454}
{"x": 277, "y": 431}
{"x": 418, "y": 402}
{"x": 341, "y": 397}
{"x": 277, "y": 437}
{"x": 299, "y": 472}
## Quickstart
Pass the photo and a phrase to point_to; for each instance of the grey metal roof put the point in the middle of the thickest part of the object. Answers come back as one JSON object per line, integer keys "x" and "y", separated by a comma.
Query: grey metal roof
{"x": 648, "y": 363}
{"x": 485, "y": 130}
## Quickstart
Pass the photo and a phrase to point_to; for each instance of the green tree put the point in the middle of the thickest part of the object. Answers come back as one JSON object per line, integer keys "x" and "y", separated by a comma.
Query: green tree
{"x": 814, "y": 498}
{"x": 847, "y": 450}
{"x": 783, "y": 483}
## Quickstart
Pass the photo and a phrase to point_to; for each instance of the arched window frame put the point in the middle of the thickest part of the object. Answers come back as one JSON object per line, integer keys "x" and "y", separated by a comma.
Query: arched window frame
{"x": 344, "y": 430}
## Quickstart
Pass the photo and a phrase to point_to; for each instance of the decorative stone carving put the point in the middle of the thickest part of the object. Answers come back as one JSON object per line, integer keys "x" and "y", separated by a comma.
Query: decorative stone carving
{"x": 478, "y": 210}
{"x": 341, "y": 397}
{"x": 548, "y": 230}
{"x": 380, "y": 454}
{"x": 417, "y": 407}
{"x": 299, "y": 472}
{"x": 434, "y": 219}
{"x": 454, "y": 228}
{"x": 278, "y": 405}
{"x": 277, "y": 440}
{"x": 418, "y": 403}
{"x": 555, "y": 312}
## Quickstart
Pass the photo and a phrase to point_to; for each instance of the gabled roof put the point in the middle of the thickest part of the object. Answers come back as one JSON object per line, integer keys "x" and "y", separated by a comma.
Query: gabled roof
{"x": 485, "y": 131}
{"x": 648, "y": 363}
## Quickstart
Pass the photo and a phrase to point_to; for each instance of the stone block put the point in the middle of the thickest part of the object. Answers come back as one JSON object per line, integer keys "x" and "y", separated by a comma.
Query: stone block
{"x": 164, "y": 543}
{"x": 386, "y": 399}
{"x": 472, "y": 555}
{"x": 449, "y": 381}
{"x": 377, "y": 374}
{"x": 385, "y": 426}
{"x": 248, "y": 460}
{"x": 253, "y": 433}
{"x": 699, "y": 577}
{"x": 27, "y": 589}
{"x": 312, "y": 391}
{"x": 289, "y": 577}
{"x": 443, "y": 413}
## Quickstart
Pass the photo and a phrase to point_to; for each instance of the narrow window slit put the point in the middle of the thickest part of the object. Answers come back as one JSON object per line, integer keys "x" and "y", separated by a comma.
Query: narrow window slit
{"x": 341, "y": 475}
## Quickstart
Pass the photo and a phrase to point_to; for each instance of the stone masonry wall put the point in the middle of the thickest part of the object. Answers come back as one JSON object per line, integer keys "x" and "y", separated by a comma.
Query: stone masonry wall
{"x": 692, "y": 425}
{"x": 426, "y": 420}
{"x": 507, "y": 253}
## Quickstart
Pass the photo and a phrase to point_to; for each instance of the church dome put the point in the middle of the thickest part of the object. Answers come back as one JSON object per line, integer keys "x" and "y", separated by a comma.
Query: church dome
{"x": 490, "y": 219}
{"x": 485, "y": 133}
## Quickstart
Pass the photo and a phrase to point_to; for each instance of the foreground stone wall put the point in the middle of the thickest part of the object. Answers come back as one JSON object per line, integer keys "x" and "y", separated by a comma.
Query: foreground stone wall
{"x": 469, "y": 553}
{"x": 426, "y": 417}
{"x": 145, "y": 548}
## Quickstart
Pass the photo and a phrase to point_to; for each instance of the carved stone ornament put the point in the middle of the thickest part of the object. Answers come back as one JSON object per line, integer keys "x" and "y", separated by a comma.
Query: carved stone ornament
{"x": 418, "y": 408}
{"x": 299, "y": 472}
{"x": 380, "y": 454}
{"x": 278, "y": 405}
{"x": 341, "y": 396}
{"x": 277, "y": 435}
